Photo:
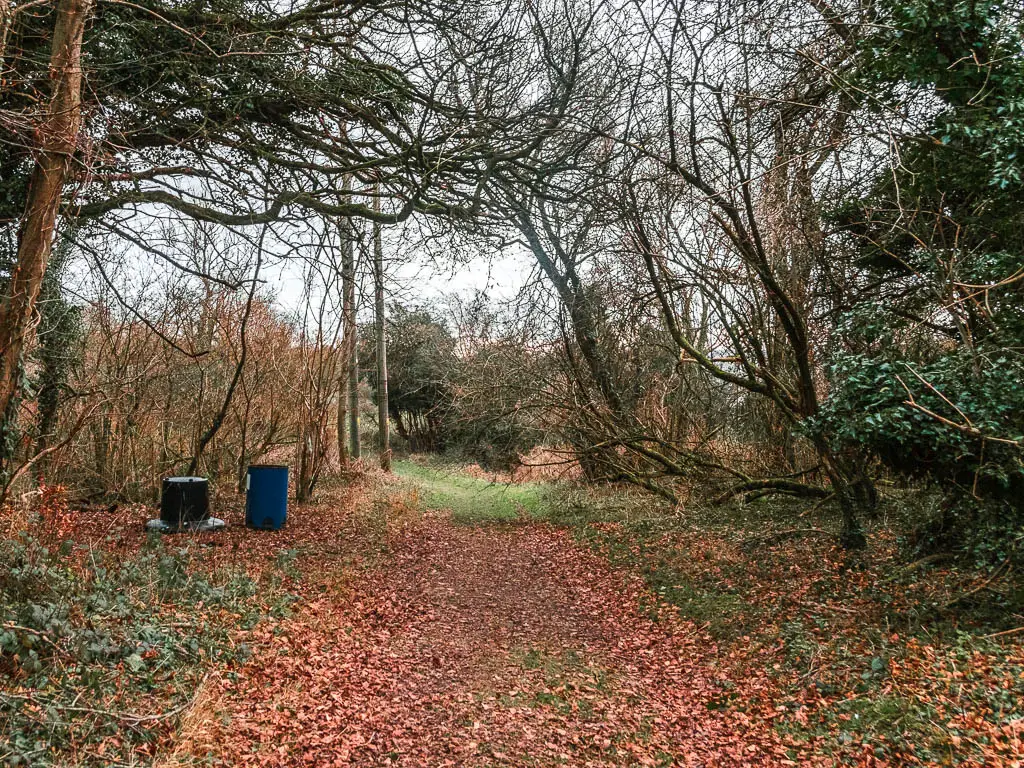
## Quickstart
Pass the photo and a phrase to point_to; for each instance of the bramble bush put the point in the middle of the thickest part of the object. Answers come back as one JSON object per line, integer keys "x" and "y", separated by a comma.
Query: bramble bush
{"x": 100, "y": 653}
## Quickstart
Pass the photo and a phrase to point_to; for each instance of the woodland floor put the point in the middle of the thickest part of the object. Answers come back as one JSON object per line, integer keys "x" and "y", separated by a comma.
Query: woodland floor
{"x": 442, "y": 619}
{"x": 493, "y": 645}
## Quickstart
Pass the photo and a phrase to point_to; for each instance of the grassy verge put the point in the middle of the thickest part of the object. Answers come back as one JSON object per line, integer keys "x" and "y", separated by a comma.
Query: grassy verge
{"x": 474, "y": 500}
{"x": 874, "y": 657}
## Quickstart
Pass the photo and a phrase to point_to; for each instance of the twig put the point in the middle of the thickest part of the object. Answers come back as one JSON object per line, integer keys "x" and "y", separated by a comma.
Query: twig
{"x": 967, "y": 427}
{"x": 128, "y": 717}
{"x": 919, "y": 563}
{"x": 818, "y": 504}
{"x": 774, "y": 485}
{"x": 35, "y": 632}
{"x": 822, "y": 606}
{"x": 779, "y": 535}
{"x": 1004, "y": 633}
{"x": 984, "y": 585}
{"x": 72, "y": 433}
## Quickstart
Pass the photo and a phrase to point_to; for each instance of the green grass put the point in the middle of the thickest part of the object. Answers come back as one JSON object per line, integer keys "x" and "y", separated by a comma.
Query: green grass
{"x": 567, "y": 682}
{"x": 475, "y": 501}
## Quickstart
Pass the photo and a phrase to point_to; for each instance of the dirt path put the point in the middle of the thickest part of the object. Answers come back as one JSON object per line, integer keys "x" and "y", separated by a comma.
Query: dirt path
{"x": 481, "y": 646}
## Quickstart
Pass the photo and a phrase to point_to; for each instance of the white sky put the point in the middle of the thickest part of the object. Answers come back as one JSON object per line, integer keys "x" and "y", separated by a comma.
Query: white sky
{"x": 419, "y": 281}
{"x": 414, "y": 278}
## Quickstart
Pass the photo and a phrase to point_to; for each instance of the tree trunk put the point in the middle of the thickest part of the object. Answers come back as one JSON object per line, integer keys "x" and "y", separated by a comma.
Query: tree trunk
{"x": 243, "y": 453}
{"x": 854, "y": 492}
{"x": 348, "y": 281}
{"x": 102, "y": 449}
{"x": 49, "y": 403}
{"x": 347, "y": 264}
{"x": 354, "y": 446}
{"x": 343, "y": 415}
{"x": 55, "y": 335}
{"x": 580, "y": 309}
{"x": 401, "y": 429}
{"x": 302, "y": 482}
{"x": 383, "y": 425}
{"x": 58, "y": 137}
{"x": 6, "y": 21}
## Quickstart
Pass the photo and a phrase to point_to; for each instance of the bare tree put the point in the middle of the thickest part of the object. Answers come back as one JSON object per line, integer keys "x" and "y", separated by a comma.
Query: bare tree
{"x": 322, "y": 358}
{"x": 698, "y": 184}
{"x": 218, "y": 419}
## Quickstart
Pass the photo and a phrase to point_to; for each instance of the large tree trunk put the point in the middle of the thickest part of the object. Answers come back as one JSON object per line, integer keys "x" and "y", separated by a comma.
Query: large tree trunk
{"x": 58, "y": 137}
{"x": 55, "y": 339}
{"x": 853, "y": 490}
{"x": 384, "y": 427}
{"x": 580, "y": 309}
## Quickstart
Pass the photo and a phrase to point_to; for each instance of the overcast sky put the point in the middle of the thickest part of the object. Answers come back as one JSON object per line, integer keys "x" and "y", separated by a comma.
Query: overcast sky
{"x": 501, "y": 277}
{"x": 416, "y": 281}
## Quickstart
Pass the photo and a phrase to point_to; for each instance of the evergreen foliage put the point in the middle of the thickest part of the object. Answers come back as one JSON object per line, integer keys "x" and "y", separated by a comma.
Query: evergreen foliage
{"x": 933, "y": 379}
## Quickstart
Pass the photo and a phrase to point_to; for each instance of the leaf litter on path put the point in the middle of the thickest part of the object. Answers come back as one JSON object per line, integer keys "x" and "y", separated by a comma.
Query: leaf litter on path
{"x": 482, "y": 646}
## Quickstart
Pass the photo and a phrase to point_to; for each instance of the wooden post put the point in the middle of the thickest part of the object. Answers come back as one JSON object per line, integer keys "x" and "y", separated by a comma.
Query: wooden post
{"x": 383, "y": 424}
{"x": 348, "y": 311}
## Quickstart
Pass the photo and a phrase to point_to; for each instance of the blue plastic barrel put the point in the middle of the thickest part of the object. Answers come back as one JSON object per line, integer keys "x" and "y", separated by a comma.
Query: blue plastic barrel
{"x": 266, "y": 496}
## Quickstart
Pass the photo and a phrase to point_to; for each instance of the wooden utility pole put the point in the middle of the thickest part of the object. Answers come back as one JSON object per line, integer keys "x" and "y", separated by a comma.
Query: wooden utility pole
{"x": 347, "y": 262}
{"x": 384, "y": 427}
{"x": 55, "y": 150}
{"x": 351, "y": 347}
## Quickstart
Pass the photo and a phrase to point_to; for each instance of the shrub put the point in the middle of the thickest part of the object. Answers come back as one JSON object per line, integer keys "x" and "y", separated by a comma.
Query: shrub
{"x": 98, "y": 653}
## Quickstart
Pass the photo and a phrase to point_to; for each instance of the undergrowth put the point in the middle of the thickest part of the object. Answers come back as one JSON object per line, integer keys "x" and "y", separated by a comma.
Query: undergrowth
{"x": 878, "y": 653}
{"x": 100, "y": 653}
